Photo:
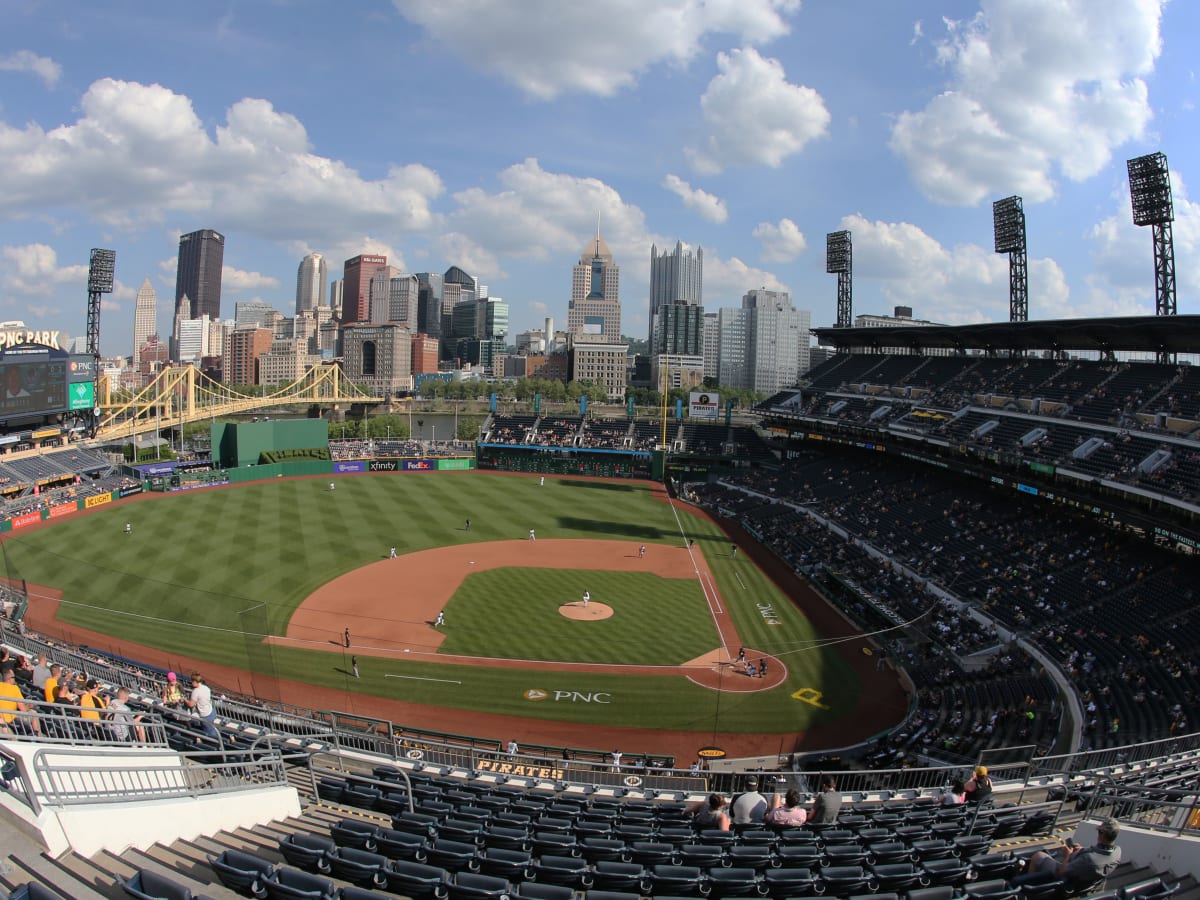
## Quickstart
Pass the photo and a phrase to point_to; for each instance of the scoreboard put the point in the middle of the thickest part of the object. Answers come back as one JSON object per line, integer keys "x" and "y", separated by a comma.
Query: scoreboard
{"x": 38, "y": 380}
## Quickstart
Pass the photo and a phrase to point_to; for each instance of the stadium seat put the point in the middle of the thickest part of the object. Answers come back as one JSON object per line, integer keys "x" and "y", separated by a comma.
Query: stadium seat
{"x": 472, "y": 886}
{"x": 704, "y": 856}
{"x": 950, "y": 871}
{"x": 508, "y": 838}
{"x": 465, "y": 830}
{"x": 360, "y": 867}
{"x": 610, "y": 875}
{"x": 652, "y": 853}
{"x": 400, "y": 844}
{"x": 355, "y": 893}
{"x": 799, "y": 856}
{"x": 417, "y": 880}
{"x": 147, "y": 884}
{"x": 890, "y": 852}
{"x": 735, "y": 881}
{"x": 940, "y": 892}
{"x": 453, "y": 856}
{"x": 609, "y": 895}
{"x": 514, "y": 865}
{"x": 330, "y": 789}
{"x": 292, "y": 884}
{"x": 415, "y": 823}
{"x": 932, "y": 849}
{"x": 896, "y": 876}
{"x": 995, "y": 865}
{"x": 788, "y": 882}
{"x": 994, "y": 889}
{"x": 1150, "y": 889}
{"x": 967, "y": 846}
{"x": 570, "y": 871}
{"x": 307, "y": 851}
{"x": 843, "y": 880}
{"x": 242, "y": 872}
{"x": 532, "y": 890}
{"x": 845, "y": 854}
{"x": 595, "y": 849}
{"x": 553, "y": 842}
{"x": 683, "y": 881}
{"x": 754, "y": 856}
{"x": 354, "y": 833}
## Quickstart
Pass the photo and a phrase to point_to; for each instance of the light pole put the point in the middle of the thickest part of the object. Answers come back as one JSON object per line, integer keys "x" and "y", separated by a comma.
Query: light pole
{"x": 434, "y": 427}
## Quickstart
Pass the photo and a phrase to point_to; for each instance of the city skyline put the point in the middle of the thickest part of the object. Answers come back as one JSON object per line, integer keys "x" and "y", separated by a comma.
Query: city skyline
{"x": 740, "y": 127}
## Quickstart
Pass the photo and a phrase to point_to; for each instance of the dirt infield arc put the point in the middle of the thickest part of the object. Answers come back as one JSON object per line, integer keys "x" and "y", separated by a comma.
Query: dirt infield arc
{"x": 397, "y": 600}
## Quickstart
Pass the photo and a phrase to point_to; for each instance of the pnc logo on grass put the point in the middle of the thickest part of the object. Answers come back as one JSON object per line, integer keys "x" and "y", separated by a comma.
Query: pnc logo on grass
{"x": 536, "y": 694}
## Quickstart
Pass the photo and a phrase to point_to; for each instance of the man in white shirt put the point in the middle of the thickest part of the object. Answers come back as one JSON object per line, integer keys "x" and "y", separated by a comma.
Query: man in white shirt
{"x": 200, "y": 701}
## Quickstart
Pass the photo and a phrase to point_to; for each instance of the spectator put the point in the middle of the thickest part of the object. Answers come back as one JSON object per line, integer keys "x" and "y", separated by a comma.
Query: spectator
{"x": 172, "y": 696}
{"x": 749, "y": 807}
{"x": 41, "y": 672}
{"x": 93, "y": 705}
{"x": 12, "y": 704}
{"x": 51, "y": 684}
{"x": 786, "y": 812}
{"x": 710, "y": 813}
{"x": 956, "y": 794}
{"x": 125, "y": 724}
{"x": 200, "y": 702}
{"x": 979, "y": 787}
{"x": 828, "y": 803}
{"x": 1082, "y": 868}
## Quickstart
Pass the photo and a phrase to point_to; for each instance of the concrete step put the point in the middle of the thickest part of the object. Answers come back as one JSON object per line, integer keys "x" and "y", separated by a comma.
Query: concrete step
{"x": 42, "y": 869}
{"x": 199, "y": 879}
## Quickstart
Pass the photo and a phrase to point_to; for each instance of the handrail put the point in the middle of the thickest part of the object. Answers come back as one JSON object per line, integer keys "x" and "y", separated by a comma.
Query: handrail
{"x": 95, "y": 776}
{"x": 65, "y": 723}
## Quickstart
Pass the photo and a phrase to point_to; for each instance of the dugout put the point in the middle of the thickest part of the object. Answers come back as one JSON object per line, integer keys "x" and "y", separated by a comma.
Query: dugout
{"x": 570, "y": 461}
{"x": 237, "y": 444}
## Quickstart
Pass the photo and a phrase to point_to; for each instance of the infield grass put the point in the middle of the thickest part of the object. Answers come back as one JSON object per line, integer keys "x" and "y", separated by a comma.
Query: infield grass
{"x": 207, "y": 573}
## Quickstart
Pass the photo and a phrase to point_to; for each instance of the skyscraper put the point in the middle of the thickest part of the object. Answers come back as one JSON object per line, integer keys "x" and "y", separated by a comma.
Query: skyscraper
{"x": 310, "y": 282}
{"x": 595, "y": 306}
{"x": 198, "y": 272}
{"x": 356, "y": 287}
{"x": 763, "y": 345}
{"x": 145, "y": 318}
{"x": 676, "y": 280}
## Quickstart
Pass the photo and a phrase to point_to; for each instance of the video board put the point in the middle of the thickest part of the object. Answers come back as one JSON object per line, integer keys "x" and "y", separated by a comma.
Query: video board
{"x": 37, "y": 381}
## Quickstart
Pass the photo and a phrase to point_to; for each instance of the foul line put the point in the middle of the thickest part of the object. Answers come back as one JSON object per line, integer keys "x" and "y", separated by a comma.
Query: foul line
{"x": 713, "y": 602}
{"x": 739, "y": 580}
{"x": 420, "y": 678}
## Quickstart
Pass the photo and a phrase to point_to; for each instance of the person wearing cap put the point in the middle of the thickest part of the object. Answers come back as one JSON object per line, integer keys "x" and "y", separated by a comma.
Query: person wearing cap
{"x": 1080, "y": 867}
{"x": 172, "y": 696}
{"x": 749, "y": 808}
{"x": 979, "y": 787}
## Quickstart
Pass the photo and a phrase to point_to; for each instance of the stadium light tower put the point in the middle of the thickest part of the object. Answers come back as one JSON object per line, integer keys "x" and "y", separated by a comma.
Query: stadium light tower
{"x": 1150, "y": 193}
{"x": 839, "y": 260}
{"x": 100, "y": 282}
{"x": 1008, "y": 223}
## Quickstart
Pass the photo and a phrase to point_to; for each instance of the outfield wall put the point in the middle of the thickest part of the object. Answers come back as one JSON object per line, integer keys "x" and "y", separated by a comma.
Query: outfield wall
{"x": 323, "y": 467}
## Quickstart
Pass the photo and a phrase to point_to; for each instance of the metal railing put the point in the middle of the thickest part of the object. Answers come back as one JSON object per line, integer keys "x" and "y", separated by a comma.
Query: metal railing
{"x": 107, "y": 775}
{"x": 1149, "y": 809}
{"x": 79, "y": 726}
{"x": 1092, "y": 760}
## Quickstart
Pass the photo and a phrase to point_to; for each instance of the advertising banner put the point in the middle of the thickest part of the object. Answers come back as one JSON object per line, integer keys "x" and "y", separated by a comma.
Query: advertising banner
{"x": 159, "y": 468}
{"x": 62, "y": 509}
{"x": 129, "y": 491}
{"x": 26, "y": 520}
{"x": 98, "y": 500}
{"x": 82, "y": 395}
{"x": 453, "y": 465}
{"x": 703, "y": 405}
{"x": 349, "y": 465}
{"x": 384, "y": 465}
{"x": 420, "y": 465}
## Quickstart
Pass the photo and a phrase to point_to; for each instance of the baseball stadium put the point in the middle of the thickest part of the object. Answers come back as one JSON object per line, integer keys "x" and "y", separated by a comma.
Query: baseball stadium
{"x": 515, "y": 664}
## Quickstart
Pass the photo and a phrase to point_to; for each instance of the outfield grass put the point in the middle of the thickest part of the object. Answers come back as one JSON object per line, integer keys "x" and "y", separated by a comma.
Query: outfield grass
{"x": 206, "y": 572}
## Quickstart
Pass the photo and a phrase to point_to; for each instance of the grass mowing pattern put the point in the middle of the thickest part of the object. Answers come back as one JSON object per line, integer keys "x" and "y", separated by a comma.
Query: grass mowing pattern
{"x": 489, "y": 599}
{"x": 198, "y": 561}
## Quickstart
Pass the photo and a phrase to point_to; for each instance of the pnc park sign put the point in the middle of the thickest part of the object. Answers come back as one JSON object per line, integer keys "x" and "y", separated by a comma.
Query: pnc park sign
{"x": 16, "y": 337}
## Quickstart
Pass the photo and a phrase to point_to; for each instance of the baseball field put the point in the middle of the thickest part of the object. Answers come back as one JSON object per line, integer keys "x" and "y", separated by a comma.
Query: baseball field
{"x": 259, "y": 584}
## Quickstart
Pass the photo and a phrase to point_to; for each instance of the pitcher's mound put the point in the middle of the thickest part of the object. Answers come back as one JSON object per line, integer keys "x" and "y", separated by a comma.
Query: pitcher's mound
{"x": 593, "y": 612}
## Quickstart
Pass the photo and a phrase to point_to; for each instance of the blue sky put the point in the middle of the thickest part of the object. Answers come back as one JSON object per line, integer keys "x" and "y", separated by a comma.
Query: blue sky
{"x": 488, "y": 133}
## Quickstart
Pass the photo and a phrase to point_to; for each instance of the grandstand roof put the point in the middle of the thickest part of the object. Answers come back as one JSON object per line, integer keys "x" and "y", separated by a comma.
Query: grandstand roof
{"x": 1150, "y": 334}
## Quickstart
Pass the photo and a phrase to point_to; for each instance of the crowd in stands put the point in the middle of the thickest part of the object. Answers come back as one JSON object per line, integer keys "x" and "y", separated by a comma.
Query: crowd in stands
{"x": 1115, "y": 613}
{"x": 1135, "y": 408}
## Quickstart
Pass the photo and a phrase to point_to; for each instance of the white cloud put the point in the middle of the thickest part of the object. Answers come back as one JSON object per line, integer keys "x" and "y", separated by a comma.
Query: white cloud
{"x": 548, "y": 47}
{"x": 32, "y": 270}
{"x": 1037, "y": 91}
{"x": 538, "y": 308}
{"x": 1121, "y": 282}
{"x": 138, "y": 153}
{"x": 782, "y": 242}
{"x": 27, "y": 61}
{"x": 235, "y": 280}
{"x": 707, "y": 206}
{"x": 754, "y": 115}
{"x": 955, "y": 285}
{"x": 549, "y": 216}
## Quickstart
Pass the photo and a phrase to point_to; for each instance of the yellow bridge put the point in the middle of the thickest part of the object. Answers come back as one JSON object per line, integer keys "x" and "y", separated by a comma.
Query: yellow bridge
{"x": 180, "y": 395}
